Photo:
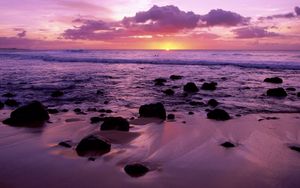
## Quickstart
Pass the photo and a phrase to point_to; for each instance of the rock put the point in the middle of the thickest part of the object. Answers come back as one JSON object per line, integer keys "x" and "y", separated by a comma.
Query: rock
{"x": 57, "y": 93}
{"x": 196, "y": 103}
{"x": 77, "y": 110}
{"x": 115, "y": 123}
{"x": 209, "y": 86}
{"x": 1, "y": 105}
{"x": 105, "y": 102}
{"x": 190, "y": 87}
{"x": 102, "y": 110}
{"x": 277, "y": 92}
{"x": 136, "y": 170}
{"x": 96, "y": 120}
{"x": 218, "y": 114}
{"x": 53, "y": 111}
{"x": 65, "y": 110}
{"x": 171, "y": 117}
{"x": 66, "y": 144}
{"x": 191, "y": 113}
{"x": 169, "y": 92}
{"x": 92, "y": 109}
{"x": 160, "y": 81}
{"x": 291, "y": 89}
{"x": 108, "y": 111}
{"x": 11, "y": 103}
{"x": 298, "y": 94}
{"x": 8, "y": 95}
{"x": 295, "y": 148}
{"x": 213, "y": 103}
{"x": 100, "y": 92}
{"x": 175, "y": 77}
{"x": 92, "y": 145}
{"x": 274, "y": 80}
{"x": 227, "y": 145}
{"x": 30, "y": 113}
{"x": 153, "y": 110}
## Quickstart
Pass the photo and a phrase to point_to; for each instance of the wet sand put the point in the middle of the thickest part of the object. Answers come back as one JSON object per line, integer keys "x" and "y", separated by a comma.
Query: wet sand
{"x": 178, "y": 154}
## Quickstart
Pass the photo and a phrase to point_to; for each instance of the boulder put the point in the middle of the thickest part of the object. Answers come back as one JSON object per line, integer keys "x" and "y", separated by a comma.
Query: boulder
{"x": 160, "y": 81}
{"x": 218, "y": 114}
{"x": 1, "y": 105}
{"x": 115, "y": 123}
{"x": 77, "y": 110}
{"x": 96, "y": 120}
{"x": 136, "y": 170}
{"x": 8, "y": 95}
{"x": 169, "y": 92}
{"x": 295, "y": 148}
{"x": 190, "y": 87}
{"x": 298, "y": 94}
{"x": 209, "y": 86}
{"x": 213, "y": 103}
{"x": 227, "y": 145}
{"x": 171, "y": 117}
{"x": 191, "y": 113}
{"x": 11, "y": 103}
{"x": 274, "y": 80}
{"x": 175, "y": 77}
{"x": 57, "y": 93}
{"x": 153, "y": 110}
{"x": 91, "y": 146}
{"x": 291, "y": 89}
{"x": 277, "y": 92}
{"x": 53, "y": 111}
{"x": 30, "y": 113}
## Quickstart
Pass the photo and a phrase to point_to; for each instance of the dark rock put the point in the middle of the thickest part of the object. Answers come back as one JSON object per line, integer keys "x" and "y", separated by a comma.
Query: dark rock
{"x": 91, "y": 158}
{"x": 295, "y": 148}
{"x": 100, "y": 92}
{"x": 298, "y": 94}
{"x": 175, "y": 77}
{"x": 108, "y": 111}
{"x": 213, "y": 103}
{"x": 227, "y": 145}
{"x": 175, "y": 87}
{"x": 274, "y": 80}
{"x": 66, "y": 144}
{"x": 65, "y": 110}
{"x": 153, "y": 110}
{"x": 1, "y": 105}
{"x": 57, "y": 93}
{"x": 115, "y": 123}
{"x": 218, "y": 114}
{"x": 92, "y": 145}
{"x": 8, "y": 95}
{"x": 92, "y": 109}
{"x": 169, "y": 92}
{"x": 184, "y": 122}
{"x": 136, "y": 170}
{"x": 102, "y": 110}
{"x": 196, "y": 103}
{"x": 105, "y": 102}
{"x": 96, "y": 120}
{"x": 52, "y": 111}
{"x": 209, "y": 86}
{"x": 277, "y": 92}
{"x": 291, "y": 89}
{"x": 171, "y": 116}
{"x": 223, "y": 78}
{"x": 238, "y": 115}
{"x": 191, "y": 113}
{"x": 77, "y": 110}
{"x": 160, "y": 81}
{"x": 11, "y": 103}
{"x": 190, "y": 87}
{"x": 30, "y": 113}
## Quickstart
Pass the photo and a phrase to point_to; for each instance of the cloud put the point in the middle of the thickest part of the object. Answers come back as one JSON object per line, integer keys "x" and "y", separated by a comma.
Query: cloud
{"x": 221, "y": 17}
{"x": 157, "y": 20}
{"x": 278, "y": 16}
{"x": 297, "y": 10}
{"x": 21, "y": 32}
{"x": 253, "y": 32}
{"x": 166, "y": 19}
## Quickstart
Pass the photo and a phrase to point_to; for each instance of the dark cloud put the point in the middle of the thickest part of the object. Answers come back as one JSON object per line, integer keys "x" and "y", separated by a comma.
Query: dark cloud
{"x": 166, "y": 19}
{"x": 297, "y": 10}
{"x": 278, "y": 16}
{"x": 253, "y": 32}
{"x": 221, "y": 17}
{"x": 21, "y": 32}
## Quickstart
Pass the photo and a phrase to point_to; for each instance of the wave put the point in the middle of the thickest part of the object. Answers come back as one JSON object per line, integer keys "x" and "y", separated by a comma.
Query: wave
{"x": 242, "y": 64}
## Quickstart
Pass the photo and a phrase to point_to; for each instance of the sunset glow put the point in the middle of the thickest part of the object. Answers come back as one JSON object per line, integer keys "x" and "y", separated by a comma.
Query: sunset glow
{"x": 147, "y": 24}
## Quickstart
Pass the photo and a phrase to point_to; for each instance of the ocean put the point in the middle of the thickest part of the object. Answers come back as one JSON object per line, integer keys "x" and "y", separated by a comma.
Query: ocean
{"x": 125, "y": 78}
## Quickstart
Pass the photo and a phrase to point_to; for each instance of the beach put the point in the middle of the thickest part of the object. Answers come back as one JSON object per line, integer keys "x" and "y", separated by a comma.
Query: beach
{"x": 184, "y": 151}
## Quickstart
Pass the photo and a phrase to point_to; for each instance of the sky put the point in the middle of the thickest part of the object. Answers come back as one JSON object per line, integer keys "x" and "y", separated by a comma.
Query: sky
{"x": 150, "y": 24}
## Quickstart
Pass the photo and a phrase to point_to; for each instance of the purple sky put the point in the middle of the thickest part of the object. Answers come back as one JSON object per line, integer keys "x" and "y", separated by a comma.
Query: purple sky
{"x": 150, "y": 24}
